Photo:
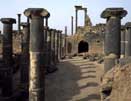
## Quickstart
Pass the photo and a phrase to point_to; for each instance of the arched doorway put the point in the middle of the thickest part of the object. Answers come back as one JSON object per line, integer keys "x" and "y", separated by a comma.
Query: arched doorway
{"x": 83, "y": 46}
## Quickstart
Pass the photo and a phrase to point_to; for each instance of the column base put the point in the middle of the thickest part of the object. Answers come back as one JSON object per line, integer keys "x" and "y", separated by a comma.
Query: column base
{"x": 109, "y": 62}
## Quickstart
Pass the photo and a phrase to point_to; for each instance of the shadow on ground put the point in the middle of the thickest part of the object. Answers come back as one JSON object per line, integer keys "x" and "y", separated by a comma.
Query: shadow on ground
{"x": 63, "y": 85}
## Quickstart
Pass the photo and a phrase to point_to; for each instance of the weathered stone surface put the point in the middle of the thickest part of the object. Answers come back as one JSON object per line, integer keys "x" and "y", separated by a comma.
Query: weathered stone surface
{"x": 120, "y": 80}
{"x": 7, "y": 88}
{"x": 123, "y": 41}
{"x": 37, "y": 71}
{"x": 109, "y": 12}
{"x": 112, "y": 36}
{"x": 25, "y": 57}
{"x": 128, "y": 39}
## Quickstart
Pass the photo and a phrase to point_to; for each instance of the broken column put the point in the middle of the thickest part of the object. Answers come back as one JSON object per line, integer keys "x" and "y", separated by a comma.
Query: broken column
{"x": 122, "y": 41}
{"x": 112, "y": 36}
{"x": 25, "y": 56}
{"x": 7, "y": 56}
{"x": 128, "y": 39}
{"x": 37, "y": 71}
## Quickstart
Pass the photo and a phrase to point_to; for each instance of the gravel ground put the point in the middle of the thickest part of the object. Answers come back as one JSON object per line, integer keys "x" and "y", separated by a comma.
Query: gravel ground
{"x": 75, "y": 80}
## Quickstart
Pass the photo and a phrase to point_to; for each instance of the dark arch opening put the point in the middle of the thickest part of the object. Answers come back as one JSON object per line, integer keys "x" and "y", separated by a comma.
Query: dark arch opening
{"x": 83, "y": 46}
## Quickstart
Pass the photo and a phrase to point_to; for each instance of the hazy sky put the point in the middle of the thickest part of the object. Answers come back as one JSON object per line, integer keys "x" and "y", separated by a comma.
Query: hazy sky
{"x": 62, "y": 10}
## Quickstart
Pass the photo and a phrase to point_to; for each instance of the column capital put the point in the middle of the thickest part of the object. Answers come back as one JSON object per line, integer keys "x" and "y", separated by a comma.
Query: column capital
{"x": 114, "y": 12}
{"x": 33, "y": 12}
{"x": 19, "y": 14}
{"x": 128, "y": 25}
{"x": 8, "y": 20}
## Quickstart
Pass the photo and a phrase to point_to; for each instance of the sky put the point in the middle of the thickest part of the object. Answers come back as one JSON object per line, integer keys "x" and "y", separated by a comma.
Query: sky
{"x": 62, "y": 10}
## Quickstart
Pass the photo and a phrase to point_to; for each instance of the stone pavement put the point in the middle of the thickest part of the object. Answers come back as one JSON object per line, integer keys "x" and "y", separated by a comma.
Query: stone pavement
{"x": 76, "y": 80}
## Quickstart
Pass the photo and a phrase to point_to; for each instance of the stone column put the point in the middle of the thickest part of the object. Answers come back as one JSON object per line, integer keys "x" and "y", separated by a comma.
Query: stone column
{"x": 45, "y": 50}
{"x": 72, "y": 28}
{"x": 59, "y": 38}
{"x": 85, "y": 10}
{"x": 65, "y": 41}
{"x": 54, "y": 46}
{"x": 57, "y": 46}
{"x": 25, "y": 57}
{"x": 122, "y": 41}
{"x": 76, "y": 23}
{"x": 7, "y": 56}
{"x": 7, "y": 39}
{"x": 128, "y": 40}
{"x": 49, "y": 46}
{"x": 37, "y": 71}
{"x": 112, "y": 36}
{"x": 60, "y": 45}
{"x": 19, "y": 21}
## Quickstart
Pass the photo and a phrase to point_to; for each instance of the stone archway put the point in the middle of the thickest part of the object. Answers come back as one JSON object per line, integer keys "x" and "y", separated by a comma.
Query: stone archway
{"x": 83, "y": 46}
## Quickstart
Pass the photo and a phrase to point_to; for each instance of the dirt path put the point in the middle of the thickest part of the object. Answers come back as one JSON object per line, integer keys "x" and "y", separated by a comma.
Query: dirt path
{"x": 76, "y": 80}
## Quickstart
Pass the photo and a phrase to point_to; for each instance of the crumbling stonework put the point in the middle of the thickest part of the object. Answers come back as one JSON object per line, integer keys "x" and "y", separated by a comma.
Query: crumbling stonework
{"x": 116, "y": 84}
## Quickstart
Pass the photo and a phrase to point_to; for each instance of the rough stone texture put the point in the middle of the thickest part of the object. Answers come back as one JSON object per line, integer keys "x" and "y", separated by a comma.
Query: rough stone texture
{"x": 117, "y": 82}
{"x": 128, "y": 39}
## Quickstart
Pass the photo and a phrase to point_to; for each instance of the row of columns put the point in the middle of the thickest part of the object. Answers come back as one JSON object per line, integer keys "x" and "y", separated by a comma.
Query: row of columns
{"x": 32, "y": 65}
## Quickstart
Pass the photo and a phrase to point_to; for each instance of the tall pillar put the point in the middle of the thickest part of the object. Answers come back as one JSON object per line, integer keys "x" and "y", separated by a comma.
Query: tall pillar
{"x": 57, "y": 46}
{"x": 45, "y": 45}
{"x": 7, "y": 56}
{"x": 49, "y": 46}
{"x": 25, "y": 57}
{"x": 72, "y": 28}
{"x": 85, "y": 10}
{"x": 60, "y": 45}
{"x": 7, "y": 39}
{"x": 19, "y": 21}
{"x": 128, "y": 39}
{"x": 122, "y": 41}
{"x": 76, "y": 20}
{"x": 37, "y": 71}
{"x": 65, "y": 41}
{"x": 112, "y": 36}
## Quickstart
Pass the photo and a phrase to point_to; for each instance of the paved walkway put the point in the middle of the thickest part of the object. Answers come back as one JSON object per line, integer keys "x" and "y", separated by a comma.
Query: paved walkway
{"x": 76, "y": 80}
